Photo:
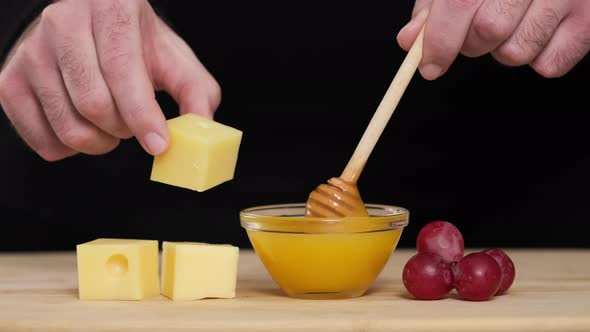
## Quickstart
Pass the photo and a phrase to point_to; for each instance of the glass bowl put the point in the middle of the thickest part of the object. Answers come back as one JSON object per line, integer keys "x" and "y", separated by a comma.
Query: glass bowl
{"x": 323, "y": 258}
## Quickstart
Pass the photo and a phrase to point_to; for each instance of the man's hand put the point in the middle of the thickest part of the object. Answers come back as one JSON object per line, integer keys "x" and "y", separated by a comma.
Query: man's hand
{"x": 83, "y": 76}
{"x": 549, "y": 35}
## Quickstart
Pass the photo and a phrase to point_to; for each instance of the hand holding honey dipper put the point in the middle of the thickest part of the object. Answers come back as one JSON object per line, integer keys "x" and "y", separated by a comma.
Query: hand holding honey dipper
{"x": 340, "y": 197}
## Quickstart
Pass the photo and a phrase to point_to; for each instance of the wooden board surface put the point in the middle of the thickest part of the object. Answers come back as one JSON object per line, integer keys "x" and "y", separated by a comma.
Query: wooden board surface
{"x": 38, "y": 292}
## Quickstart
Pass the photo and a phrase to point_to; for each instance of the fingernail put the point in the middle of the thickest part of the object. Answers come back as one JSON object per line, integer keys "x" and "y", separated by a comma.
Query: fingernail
{"x": 208, "y": 114}
{"x": 155, "y": 143}
{"x": 431, "y": 71}
{"x": 416, "y": 19}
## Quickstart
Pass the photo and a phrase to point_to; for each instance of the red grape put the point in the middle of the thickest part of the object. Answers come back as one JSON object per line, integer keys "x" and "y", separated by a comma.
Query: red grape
{"x": 428, "y": 277}
{"x": 441, "y": 238}
{"x": 477, "y": 277}
{"x": 506, "y": 266}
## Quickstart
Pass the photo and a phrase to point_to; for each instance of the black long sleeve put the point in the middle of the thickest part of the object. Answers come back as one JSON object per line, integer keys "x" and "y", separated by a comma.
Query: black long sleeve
{"x": 15, "y": 16}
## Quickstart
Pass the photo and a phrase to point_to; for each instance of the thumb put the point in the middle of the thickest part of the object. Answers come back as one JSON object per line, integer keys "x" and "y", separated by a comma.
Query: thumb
{"x": 177, "y": 71}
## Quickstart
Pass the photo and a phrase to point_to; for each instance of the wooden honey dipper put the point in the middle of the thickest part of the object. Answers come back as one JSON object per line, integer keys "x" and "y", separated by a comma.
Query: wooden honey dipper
{"x": 340, "y": 197}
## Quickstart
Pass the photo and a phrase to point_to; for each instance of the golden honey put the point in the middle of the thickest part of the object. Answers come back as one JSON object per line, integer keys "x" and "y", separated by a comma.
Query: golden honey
{"x": 323, "y": 258}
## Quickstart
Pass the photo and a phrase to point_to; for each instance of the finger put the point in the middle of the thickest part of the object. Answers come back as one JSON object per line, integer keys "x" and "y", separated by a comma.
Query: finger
{"x": 75, "y": 55}
{"x": 446, "y": 28}
{"x": 25, "y": 113}
{"x": 533, "y": 33}
{"x": 569, "y": 45}
{"x": 177, "y": 70}
{"x": 494, "y": 22}
{"x": 71, "y": 128}
{"x": 407, "y": 35}
{"x": 116, "y": 30}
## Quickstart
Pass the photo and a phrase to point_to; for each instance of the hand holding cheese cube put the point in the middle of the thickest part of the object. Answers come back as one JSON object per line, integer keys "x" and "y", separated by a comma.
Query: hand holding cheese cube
{"x": 192, "y": 271}
{"x": 202, "y": 153}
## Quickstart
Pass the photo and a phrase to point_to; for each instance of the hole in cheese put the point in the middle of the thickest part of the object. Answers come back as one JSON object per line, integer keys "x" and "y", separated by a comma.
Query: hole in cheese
{"x": 117, "y": 265}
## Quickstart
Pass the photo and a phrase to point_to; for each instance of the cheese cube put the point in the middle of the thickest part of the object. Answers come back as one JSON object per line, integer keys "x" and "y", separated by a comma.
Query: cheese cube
{"x": 202, "y": 153}
{"x": 118, "y": 269}
{"x": 192, "y": 271}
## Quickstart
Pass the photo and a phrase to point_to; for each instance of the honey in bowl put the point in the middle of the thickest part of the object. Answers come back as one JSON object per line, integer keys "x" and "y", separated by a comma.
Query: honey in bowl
{"x": 323, "y": 258}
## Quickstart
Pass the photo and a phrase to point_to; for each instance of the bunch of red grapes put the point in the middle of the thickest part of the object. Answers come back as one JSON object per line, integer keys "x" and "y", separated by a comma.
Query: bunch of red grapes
{"x": 439, "y": 266}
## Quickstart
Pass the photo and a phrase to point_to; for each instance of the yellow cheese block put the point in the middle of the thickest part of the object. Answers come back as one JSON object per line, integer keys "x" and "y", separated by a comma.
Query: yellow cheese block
{"x": 192, "y": 271}
{"x": 118, "y": 269}
{"x": 201, "y": 155}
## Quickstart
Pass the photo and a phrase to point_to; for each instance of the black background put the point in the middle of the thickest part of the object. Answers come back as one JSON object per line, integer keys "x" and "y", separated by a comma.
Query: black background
{"x": 501, "y": 152}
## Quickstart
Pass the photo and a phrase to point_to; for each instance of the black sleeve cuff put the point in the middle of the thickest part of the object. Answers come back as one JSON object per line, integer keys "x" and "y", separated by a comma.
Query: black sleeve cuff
{"x": 15, "y": 16}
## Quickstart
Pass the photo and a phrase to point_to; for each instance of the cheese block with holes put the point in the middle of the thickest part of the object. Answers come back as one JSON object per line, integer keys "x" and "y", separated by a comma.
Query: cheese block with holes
{"x": 118, "y": 269}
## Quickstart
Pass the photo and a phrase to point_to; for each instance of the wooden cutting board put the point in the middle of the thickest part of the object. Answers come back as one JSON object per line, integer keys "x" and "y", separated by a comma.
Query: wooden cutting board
{"x": 38, "y": 292}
